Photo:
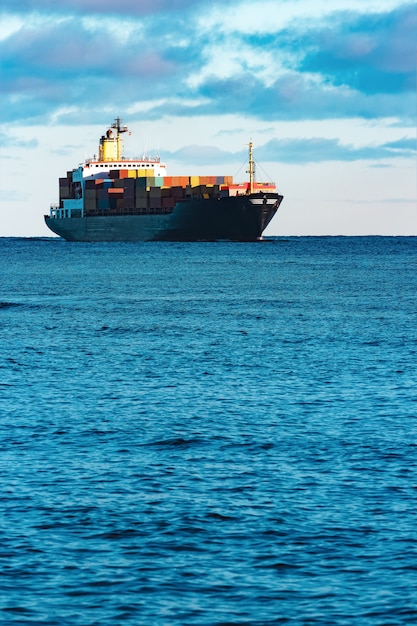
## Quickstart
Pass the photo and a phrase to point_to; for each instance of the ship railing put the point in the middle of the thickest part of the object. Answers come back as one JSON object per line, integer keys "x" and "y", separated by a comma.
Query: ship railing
{"x": 58, "y": 212}
{"x": 144, "y": 211}
{"x": 149, "y": 159}
{"x": 142, "y": 159}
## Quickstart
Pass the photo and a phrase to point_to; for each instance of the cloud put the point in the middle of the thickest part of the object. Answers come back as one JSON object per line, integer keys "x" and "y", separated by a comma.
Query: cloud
{"x": 371, "y": 53}
{"x": 292, "y": 97}
{"x": 313, "y": 150}
{"x": 202, "y": 155}
{"x": 7, "y": 140}
{"x": 404, "y": 145}
{"x": 68, "y": 51}
{"x": 101, "y": 56}
{"x": 300, "y": 150}
{"x": 103, "y": 7}
{"x": 65, "y": 63}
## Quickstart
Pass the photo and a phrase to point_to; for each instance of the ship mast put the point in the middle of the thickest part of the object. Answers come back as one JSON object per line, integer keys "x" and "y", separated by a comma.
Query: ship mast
{"x": 117, "y": 125}
{"x": 251, "y": 169}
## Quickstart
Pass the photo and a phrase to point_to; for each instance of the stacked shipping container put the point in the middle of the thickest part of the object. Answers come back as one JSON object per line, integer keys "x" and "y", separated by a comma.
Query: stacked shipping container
{"x": 138, "y": 190}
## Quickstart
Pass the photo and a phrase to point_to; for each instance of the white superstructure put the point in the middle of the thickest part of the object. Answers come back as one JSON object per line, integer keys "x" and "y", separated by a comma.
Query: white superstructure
{"x": 110, "y": 158}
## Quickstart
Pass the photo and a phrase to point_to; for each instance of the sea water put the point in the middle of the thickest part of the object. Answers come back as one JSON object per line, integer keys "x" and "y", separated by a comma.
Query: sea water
{"x": 209, "y": 433}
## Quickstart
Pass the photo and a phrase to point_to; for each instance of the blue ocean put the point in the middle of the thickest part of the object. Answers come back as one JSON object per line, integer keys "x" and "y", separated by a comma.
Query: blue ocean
{"x": 209, "y": 434}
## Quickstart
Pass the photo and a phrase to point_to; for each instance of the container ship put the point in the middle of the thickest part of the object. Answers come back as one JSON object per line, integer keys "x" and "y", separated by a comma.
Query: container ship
{"x": 112, "y": 198}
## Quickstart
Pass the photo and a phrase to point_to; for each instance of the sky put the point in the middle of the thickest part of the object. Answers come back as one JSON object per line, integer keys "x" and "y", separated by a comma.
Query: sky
{"x": 325, "y": 90}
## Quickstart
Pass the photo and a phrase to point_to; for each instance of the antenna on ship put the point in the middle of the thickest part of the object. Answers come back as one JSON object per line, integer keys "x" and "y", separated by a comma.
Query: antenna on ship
{"x": 117, "y": 125}
{"x": 251, "y": 169}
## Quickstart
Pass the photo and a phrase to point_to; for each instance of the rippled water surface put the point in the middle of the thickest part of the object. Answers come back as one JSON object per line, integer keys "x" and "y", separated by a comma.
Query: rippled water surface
{"x": 209, "y": 434}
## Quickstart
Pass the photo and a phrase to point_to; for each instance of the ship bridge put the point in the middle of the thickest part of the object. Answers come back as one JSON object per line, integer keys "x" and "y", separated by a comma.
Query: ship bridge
{"x": 93, "y": 169}
{"x": 110, "y": 156}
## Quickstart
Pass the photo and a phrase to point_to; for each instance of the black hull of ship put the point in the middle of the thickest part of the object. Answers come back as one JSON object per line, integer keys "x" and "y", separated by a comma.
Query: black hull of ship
{"x": 237, "y": 218}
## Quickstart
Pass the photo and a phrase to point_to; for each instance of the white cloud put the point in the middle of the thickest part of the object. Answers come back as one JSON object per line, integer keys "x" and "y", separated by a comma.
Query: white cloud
{"x": 262, "y": 16}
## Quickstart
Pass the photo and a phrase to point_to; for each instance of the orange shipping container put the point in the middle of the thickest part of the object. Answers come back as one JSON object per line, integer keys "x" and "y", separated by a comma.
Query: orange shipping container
{"x": 114, "y": 191}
